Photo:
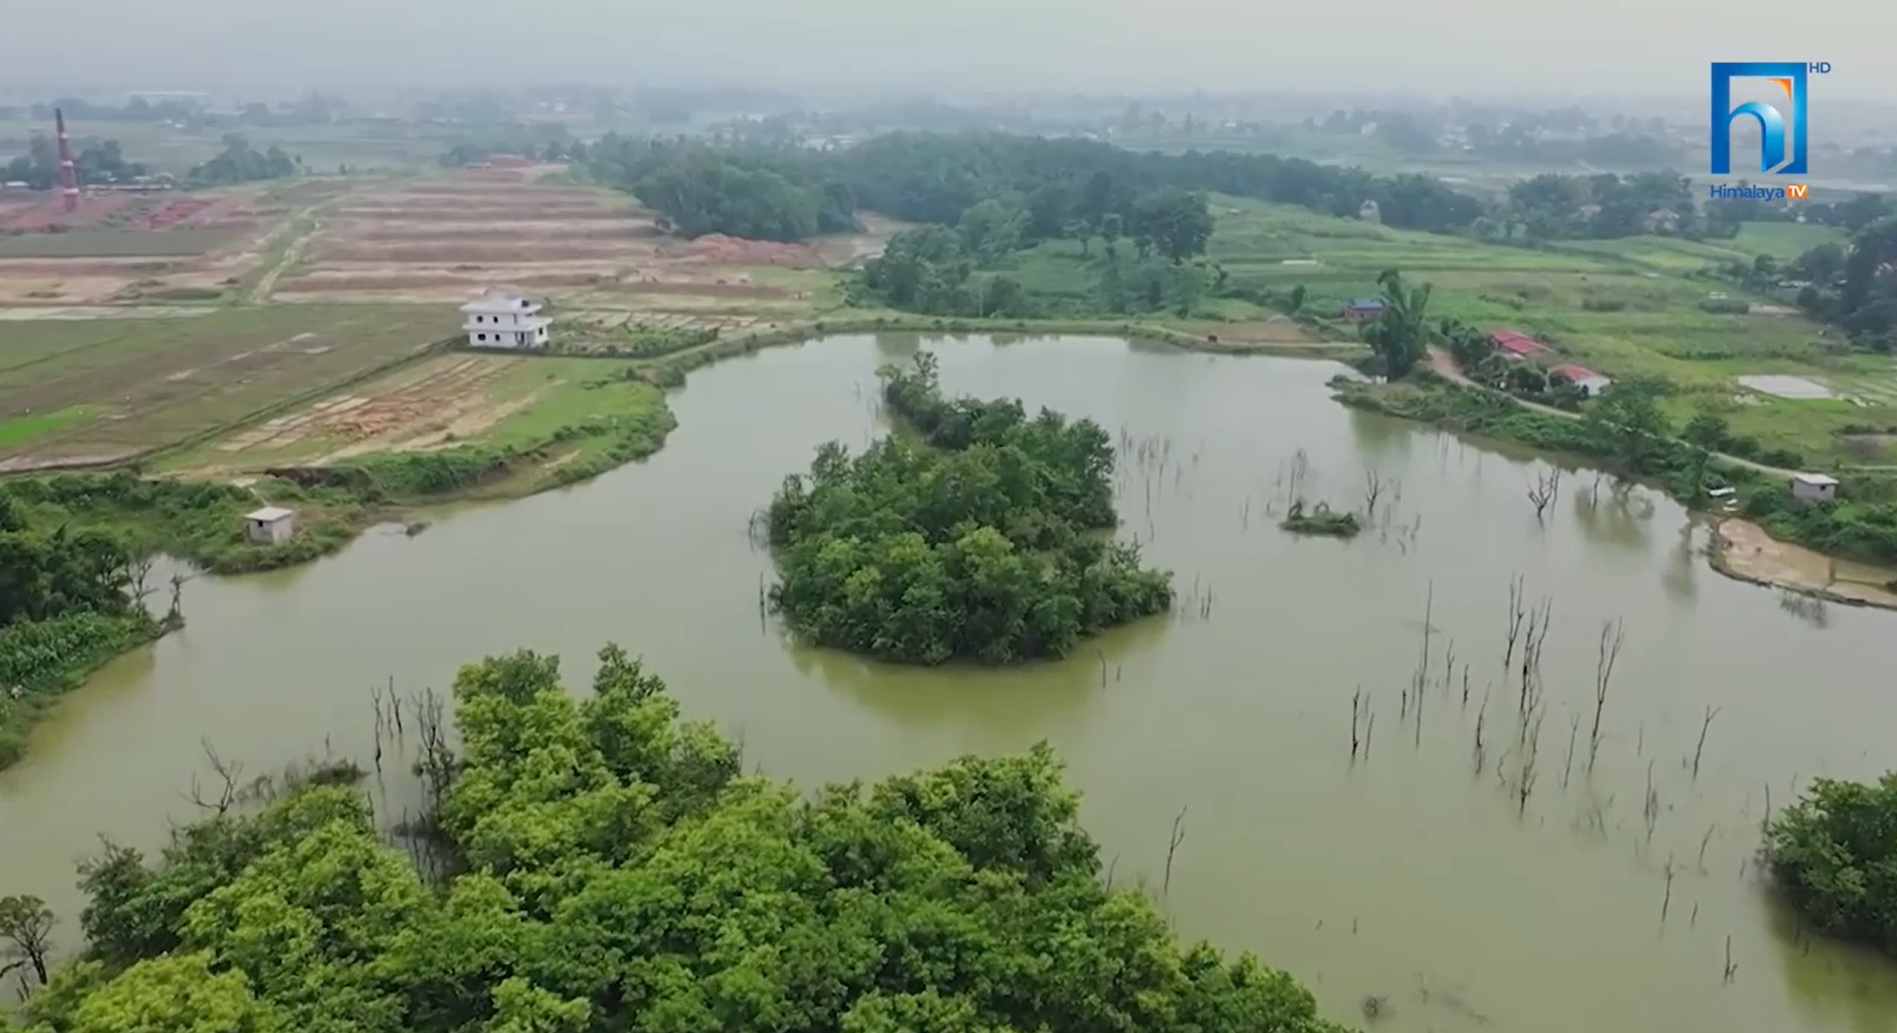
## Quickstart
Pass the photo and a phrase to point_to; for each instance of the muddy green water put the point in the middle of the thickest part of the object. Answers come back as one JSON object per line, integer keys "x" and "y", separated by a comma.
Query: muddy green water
{"x": 1409, "y": 875}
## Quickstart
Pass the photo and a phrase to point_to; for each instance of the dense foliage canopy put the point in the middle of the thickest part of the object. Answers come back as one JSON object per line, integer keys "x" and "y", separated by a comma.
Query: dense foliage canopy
{"x": 615, "y": 871}
{"x": 239, "y": 162}
{"x": 65, "y": 604}
{"x": 700, "y": 189}
{"x": 1834, "y": 855}
{"x": 1060, "y": 185}
{"x": 986, "y": 540}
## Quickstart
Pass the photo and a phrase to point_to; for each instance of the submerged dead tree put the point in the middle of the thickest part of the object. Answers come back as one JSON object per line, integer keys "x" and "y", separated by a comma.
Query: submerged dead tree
{"x": 1607, "y": 652}
{"x": 1711, "y": 712}
{"x": 1544, "y": 492}
{"x": 1516, "y": 615}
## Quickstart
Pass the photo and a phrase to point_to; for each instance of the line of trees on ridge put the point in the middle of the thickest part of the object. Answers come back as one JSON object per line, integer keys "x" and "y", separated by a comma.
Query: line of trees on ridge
{"x": 981, "y": 541}
{"x": 598, "y": 864}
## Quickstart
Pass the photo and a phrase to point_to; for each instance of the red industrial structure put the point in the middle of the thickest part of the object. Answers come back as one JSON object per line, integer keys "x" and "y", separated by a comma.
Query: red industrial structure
{"x": 68, "y": 172}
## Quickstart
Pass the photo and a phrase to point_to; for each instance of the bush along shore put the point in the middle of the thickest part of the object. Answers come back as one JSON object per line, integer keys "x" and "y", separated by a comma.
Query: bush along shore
{"x": 980, "y": 541}
{"x": 1625, "y": 433}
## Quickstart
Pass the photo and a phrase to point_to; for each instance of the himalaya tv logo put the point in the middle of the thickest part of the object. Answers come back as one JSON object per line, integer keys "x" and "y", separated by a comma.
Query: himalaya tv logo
{"x": 1784, "y": 136}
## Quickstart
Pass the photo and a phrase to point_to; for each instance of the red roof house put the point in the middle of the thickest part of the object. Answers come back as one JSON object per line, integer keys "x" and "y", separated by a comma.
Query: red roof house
{"x": 1517, "y": 345}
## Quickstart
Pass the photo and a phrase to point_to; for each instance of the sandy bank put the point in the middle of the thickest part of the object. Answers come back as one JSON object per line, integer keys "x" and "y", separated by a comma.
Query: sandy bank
{"x": 1742, "y": 550}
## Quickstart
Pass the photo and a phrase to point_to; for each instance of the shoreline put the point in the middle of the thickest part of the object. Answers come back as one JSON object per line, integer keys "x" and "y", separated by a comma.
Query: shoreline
{"x": 549, "y": 466}
{"x": 1743, "y": 551}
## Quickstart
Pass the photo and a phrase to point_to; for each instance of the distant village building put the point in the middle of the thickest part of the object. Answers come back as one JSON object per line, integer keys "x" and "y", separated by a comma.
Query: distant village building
{"x": 505, "y": 319}
{"x": 1362, "y": 310}
{"x": 1590, "y": 382}
{"x": 1369, "y": 212}
{"x": 1814, "y": 487}
{"x": 271, "y": 525}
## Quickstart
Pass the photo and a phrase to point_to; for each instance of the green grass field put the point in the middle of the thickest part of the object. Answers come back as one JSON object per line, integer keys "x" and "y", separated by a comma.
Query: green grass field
{"x": 97, "y": 388}
{"x": 1623, "y": 307}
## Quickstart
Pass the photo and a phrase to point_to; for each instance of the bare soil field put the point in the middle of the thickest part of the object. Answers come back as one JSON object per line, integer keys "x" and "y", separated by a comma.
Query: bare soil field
{"x": 93, "y": 391}
{"x": 447, "y": 239}
{"x": 122, "y": 248}
{"x": 433, "y": 404}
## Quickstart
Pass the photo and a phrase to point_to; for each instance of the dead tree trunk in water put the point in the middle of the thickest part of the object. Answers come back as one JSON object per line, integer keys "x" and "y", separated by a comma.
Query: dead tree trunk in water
{"x": 1515, "y": 617}
{"x": 1544, "y": 491}
{"x": 1711, "y": 712}
{"x": 1608, "y": 651}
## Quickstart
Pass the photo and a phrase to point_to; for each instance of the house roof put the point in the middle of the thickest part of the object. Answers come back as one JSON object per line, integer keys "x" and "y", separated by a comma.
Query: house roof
{"x": 500, "y": 298}
{"x": 1517, "y": 343}
{"x": 1365, "y": 303}
{"x": 269, "y": 514}
{"x": 1816, "y": 480}
{"x": 1574, "y": 372}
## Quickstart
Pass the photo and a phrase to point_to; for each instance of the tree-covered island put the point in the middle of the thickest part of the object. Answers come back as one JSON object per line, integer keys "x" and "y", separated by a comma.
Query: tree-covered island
{"x": 984, "y": 535}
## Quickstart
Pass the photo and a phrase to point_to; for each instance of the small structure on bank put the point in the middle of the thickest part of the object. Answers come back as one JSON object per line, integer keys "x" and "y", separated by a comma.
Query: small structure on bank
{"x": 1590, "y": 382}
{"x": 505, "y": 318}
{"x": 1814, "y": 487}
{"x": 1370, "y": 212}
{"x": 1362, "y": 310}
{"x": 271, "y": 525}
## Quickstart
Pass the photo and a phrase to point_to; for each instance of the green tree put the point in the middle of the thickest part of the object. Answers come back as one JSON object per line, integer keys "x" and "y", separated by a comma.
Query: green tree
{"x": 1629, "y": 417}
{"x": 1400, "y": 334}
{"x": 1833, "y": 854}
{"x": 26, "y": 935}
{"x": 979, "y": 541}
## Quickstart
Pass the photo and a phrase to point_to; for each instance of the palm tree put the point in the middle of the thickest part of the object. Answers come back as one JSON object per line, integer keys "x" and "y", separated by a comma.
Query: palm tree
{"x": 1401, "y": 334}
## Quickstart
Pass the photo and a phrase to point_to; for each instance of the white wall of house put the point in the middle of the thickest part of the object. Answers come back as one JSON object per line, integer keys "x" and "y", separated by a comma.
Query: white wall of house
{"x": 504, "y": 320}
{"x": 1814, "y": 487}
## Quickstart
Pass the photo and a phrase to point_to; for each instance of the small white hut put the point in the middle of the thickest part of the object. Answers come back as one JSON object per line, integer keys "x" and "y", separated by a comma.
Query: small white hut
{"x": 1814, "y": 487}
{"x": 271, "y": 525}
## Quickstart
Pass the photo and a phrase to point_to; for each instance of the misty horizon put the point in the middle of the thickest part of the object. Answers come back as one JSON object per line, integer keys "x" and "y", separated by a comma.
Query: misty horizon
{"x": 1483, "y": 49}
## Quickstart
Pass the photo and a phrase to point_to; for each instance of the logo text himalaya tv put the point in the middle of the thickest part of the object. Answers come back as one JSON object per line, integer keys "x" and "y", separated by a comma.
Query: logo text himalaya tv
{"x": 1784, "y": 124}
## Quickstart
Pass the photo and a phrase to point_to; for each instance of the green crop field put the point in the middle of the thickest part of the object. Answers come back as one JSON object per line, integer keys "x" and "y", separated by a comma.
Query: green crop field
{"x": 95, "y": 389}
{"x": 1623, "y": 307}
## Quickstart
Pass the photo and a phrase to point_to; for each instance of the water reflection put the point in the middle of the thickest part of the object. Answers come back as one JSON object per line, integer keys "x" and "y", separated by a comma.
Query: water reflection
{"x": 997, "y": 702}
{"x": 1837, "y": 985}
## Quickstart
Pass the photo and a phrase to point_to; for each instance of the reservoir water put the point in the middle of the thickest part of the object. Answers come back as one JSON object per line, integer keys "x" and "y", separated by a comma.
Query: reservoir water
{"x": 1625, "y": 898}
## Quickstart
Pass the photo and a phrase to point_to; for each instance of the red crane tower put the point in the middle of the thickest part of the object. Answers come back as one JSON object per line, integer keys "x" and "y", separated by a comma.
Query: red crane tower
{"x": 68, "y": 172}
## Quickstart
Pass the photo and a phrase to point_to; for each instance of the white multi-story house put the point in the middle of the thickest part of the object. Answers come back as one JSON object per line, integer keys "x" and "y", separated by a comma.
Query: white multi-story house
{"x": 504, "y": 319}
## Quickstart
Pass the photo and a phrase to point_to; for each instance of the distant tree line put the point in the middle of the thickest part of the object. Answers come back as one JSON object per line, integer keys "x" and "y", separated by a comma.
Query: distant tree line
{"x": 540, "y": 141}
{"x": 98, "y": 161}
{"x": 239, "y": 162}
{"x": 936, "y": 178}
{"x": 981, "y": 541}
{"x": 1852, "y": 286}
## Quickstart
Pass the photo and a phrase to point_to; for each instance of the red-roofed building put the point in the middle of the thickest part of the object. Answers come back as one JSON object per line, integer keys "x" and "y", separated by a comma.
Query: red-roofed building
{"x": 1590, "y": 382}
{"x": 1516, "y": 345}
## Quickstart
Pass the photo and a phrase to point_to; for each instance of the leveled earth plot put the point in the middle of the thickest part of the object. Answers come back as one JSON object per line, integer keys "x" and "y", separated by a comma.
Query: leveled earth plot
{"x": 446, "y": 239}
{"x": 439, "y": 403}
{"x": 158, "y": 247}
{"x": 79, "y": 392}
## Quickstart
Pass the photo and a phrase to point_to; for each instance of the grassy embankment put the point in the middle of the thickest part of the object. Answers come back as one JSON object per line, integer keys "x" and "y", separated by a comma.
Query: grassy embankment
{"x": 1624, "y": 308}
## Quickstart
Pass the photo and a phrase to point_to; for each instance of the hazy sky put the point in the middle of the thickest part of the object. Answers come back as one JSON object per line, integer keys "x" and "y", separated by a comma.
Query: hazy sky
{"x": 1435, "y": 47}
